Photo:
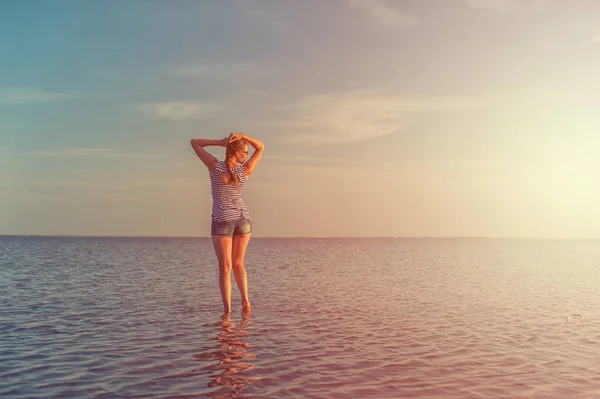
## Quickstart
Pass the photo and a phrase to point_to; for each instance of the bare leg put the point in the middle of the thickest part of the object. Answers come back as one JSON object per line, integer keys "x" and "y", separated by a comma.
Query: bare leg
{"x": 240, "y": 243}
{"x": 222, "y": 245}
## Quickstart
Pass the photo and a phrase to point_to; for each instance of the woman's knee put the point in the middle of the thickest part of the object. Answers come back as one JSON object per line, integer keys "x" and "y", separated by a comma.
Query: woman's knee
{"x": 225, "y": 267}
{"x": 238, "y": 265}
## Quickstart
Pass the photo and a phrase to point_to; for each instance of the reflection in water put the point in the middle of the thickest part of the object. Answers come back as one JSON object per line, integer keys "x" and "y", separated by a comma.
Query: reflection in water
{"x": 233, "y": 357}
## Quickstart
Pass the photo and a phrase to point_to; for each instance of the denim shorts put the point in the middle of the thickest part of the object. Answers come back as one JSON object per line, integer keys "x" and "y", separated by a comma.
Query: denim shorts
{"x": 231, "y": 227}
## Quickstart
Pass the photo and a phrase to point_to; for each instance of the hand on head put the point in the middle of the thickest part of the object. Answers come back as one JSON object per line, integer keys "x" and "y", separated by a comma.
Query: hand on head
{"x": 234, "y": 137}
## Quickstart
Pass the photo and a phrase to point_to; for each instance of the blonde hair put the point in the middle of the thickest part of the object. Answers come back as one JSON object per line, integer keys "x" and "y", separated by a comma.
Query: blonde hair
{"x": 231, "y": 149}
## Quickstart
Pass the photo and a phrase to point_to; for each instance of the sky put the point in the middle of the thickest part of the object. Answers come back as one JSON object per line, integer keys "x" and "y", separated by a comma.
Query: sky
{"x": 414, "y": 118}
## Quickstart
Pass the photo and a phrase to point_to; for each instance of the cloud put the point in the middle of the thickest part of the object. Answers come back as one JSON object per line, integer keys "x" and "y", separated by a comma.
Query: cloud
{"x": 592, "y": 42}
{"x": 91, "y": 153}
{"x": 492, "y": 5}
{"x": 206, "y": 68}
{"x": 4, "y": 153}
{"x": 505, "y": 5}
{"x": 180, "y": 110}
{"x": 354, "y": 115}
{"x": 384, "y": 13}
{"x": 25, "y": 95}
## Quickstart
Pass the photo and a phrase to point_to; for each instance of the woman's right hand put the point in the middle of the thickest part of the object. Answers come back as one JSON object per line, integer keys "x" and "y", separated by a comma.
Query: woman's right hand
{"x": 235, "y": 137}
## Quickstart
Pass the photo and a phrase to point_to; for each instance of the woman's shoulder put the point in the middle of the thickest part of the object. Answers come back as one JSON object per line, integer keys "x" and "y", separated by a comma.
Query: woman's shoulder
{"x": 219, "y": 168}
{"x": 220, "y": 165}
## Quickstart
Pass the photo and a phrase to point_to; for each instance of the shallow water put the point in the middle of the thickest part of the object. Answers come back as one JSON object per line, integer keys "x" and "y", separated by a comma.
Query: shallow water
{"x": 332, "y": 318}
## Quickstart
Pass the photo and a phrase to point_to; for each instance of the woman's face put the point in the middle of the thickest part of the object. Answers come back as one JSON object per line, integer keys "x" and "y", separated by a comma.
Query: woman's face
{"x": 242, "y": 154}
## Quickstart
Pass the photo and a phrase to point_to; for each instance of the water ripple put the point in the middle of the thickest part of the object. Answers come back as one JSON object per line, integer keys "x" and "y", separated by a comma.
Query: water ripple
{"x": 139, "y": 318}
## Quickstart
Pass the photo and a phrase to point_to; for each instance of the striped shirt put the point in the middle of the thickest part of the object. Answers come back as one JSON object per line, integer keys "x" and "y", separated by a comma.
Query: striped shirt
{"x": 228, "y": 203}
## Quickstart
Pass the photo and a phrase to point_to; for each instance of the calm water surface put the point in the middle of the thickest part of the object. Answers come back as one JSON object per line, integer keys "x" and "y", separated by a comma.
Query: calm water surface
{"x": 332, "y": 318}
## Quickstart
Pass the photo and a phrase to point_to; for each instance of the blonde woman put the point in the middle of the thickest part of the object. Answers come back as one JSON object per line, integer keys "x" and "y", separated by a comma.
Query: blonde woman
{"x": 231, "y": 225}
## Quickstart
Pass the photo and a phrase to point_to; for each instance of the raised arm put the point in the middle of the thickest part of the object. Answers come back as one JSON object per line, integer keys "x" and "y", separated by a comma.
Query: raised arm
{"x": 259, "y": 147}
{"x": 207, "y": 158}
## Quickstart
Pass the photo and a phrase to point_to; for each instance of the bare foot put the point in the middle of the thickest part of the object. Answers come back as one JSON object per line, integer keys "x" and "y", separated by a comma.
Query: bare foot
{"x": 225, "y": 317}
{"x": 246, "y": 309}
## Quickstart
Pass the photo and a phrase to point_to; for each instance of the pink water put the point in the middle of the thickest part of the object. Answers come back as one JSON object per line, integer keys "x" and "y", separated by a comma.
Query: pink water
{"x": 332, "y": 318}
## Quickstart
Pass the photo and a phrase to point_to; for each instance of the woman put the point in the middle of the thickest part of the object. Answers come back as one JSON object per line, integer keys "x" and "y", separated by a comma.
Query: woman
{"x": 231, "y": 226}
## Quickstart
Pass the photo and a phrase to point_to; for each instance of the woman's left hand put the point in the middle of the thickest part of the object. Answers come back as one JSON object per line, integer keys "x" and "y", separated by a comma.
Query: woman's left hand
{"x": 235, "y": 137}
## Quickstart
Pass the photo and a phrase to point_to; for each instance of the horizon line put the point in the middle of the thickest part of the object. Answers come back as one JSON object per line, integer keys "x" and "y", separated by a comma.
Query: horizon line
{"x": 306, "y": 237}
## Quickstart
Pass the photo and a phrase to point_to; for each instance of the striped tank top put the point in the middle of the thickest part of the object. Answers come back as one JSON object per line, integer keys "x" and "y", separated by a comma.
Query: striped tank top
{"x": 228, "y": 203}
